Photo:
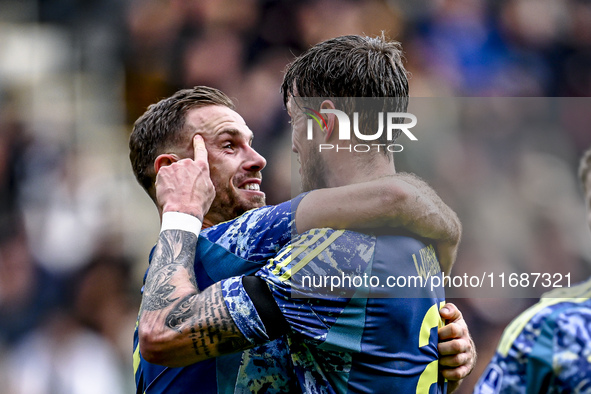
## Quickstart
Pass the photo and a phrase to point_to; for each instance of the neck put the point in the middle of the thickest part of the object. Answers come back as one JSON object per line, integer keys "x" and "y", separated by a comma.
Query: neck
{"x": 207, "y": 223}
{"x": 348, "y": 170}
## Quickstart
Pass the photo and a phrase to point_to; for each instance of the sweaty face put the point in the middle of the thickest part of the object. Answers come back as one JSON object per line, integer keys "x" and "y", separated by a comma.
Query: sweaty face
{"x": 235, "y": 167}
{"x": 313, "y": 169}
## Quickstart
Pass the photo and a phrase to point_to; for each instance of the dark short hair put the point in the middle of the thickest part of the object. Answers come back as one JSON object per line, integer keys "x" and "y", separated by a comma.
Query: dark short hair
{"x": 161, "y": 127}
{"x": 349, "y": 66}
{"x": 584, "y": 169}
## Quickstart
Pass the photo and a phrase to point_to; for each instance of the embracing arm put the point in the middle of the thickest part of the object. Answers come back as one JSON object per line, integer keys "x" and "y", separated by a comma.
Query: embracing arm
{"x": 180, "y": 325}
{"x": 401, "y": 200}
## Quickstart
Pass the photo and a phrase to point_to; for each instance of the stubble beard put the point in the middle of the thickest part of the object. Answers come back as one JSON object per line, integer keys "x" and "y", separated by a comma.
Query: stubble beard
{"x": 228, "y": 205}
{"x": 314, "y": 174}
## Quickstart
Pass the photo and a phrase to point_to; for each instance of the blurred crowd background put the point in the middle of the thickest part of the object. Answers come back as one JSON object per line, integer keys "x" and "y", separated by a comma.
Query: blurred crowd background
{"x": 76, "y": 230}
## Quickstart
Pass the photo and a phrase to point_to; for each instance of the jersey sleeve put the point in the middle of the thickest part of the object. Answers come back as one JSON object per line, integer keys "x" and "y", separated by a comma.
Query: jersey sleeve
{"x": 571, "y": 350}
{"x": 243, "y": 311}
{"x": 561, "y": 356}
{"x": 258, "y": 234}
{"x": 508, "y": 371}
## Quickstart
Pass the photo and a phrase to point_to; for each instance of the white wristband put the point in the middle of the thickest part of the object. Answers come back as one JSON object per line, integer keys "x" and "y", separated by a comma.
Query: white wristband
{"x": 180, "y": 221}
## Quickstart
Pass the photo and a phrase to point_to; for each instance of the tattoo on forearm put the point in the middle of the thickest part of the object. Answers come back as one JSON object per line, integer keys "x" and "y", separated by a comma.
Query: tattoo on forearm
{"x": 175, "y": 251}
{"x": 181, "y": 313}
{"x": 207, "y": 321}
{"x": 201, "y": 317}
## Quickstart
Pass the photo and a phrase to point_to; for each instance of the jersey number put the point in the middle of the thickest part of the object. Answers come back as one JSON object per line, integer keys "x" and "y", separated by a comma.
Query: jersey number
{"x": 429, "y": 375}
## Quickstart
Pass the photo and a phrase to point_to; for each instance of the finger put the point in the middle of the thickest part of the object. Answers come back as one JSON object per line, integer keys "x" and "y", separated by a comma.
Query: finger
{"x": 450, "y": 312}
{"x": 456, "y": 346}
{"x": 450, "y": 331}
{"x": 456, "y": 373}
{"x": 454, "y": 361}
{"x": 199, "y": 147}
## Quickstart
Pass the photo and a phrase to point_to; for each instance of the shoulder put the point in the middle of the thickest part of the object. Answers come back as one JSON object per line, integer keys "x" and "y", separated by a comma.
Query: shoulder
{"x": 549, "y": 307}
{"x": 255, "y": 219}
{"x": 319, "y": 240}
{"x": 256, "y": 235}
{"x": 571, "y": 346}
{"x": 554, "y": 333}
{"x": 258, "y": 219}
{"x": 320, "y": 253}
{"x": 325, "y": 243}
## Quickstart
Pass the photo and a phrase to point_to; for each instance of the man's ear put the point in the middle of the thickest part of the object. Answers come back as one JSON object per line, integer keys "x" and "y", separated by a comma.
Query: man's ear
{"x": 164, "y": 160}
{"x": 331, "y": 120}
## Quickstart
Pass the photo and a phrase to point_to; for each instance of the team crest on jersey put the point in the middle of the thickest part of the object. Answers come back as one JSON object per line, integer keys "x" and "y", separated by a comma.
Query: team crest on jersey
{"x": 491, "y": 382}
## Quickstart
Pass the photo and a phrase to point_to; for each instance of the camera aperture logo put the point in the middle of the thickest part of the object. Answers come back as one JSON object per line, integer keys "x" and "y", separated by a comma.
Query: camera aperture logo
{"x": 394, "y": 121}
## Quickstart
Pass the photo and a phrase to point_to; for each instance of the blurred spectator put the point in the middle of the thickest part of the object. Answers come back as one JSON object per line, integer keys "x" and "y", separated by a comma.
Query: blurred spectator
{"x": 104, "y": 301}
{"x": 62, "y": 357}
{"x": 28, "y": 293}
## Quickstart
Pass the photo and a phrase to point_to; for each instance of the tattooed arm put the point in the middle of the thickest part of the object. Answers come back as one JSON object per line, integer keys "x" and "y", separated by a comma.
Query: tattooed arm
{"x": 179, "y": 324}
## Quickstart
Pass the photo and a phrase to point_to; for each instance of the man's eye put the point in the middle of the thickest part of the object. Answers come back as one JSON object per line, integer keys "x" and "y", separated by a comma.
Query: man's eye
{"x": 227, "y": 146}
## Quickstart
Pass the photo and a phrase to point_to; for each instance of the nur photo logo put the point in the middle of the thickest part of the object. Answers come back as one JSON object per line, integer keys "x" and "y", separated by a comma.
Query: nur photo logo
{"x": 387, "y": 122}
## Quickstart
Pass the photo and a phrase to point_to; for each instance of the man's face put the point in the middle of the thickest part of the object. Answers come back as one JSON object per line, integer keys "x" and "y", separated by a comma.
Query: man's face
{"x": 313, "y": 168}
{"x": 235, "y": 167}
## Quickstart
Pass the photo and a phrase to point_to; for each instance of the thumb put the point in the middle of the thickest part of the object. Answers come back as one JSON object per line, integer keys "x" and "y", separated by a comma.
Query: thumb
{"x": 199, "y": 147}
{"x": 450, "y": 312}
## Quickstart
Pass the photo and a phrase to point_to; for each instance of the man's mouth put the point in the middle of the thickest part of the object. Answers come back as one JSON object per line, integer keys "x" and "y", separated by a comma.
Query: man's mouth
{"x": 252, "y": 183}
{"x": 251, "y": 186}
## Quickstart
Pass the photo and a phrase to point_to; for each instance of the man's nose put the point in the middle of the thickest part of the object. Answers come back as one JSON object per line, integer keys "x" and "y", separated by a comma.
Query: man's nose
{"x": 254, "y": 162}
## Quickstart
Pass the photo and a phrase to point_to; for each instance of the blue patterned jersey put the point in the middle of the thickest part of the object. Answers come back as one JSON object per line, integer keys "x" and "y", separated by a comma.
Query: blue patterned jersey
{"x": 355, "y": 338}
{"x": 546, "y": 349}
{"x": 238, "y": 247}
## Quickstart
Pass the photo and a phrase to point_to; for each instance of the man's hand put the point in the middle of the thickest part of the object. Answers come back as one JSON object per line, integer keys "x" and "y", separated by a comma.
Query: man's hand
{"x": 456, "y": 347}
{"x": 185, "y": 185}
